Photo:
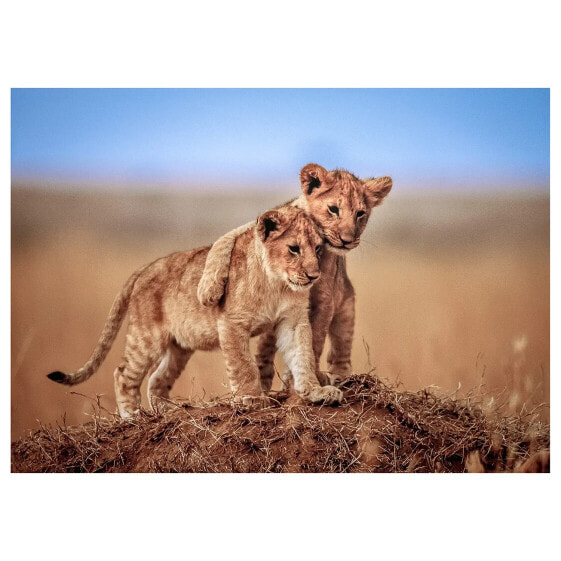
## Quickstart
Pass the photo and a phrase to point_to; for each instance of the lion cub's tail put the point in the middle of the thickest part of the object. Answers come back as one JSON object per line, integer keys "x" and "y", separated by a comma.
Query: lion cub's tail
{"x": 106, "y": 339}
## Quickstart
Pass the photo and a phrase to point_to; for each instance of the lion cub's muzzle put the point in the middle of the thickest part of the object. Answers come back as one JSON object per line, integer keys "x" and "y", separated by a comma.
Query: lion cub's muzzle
{"x": 340, "y": 245}
{"x": 303, "y": 281}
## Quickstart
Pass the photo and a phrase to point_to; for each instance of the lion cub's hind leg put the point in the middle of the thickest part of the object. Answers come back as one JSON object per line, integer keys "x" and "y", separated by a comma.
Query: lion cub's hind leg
{"x": 162, "y": 379}
{"x": 143, "y": 352}
{"x": 341, "y": 333}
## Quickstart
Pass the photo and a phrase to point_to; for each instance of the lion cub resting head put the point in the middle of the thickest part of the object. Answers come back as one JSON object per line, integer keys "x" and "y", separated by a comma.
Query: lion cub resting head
{"x": 340, "y": 203}
{"x": 273, "y": 265}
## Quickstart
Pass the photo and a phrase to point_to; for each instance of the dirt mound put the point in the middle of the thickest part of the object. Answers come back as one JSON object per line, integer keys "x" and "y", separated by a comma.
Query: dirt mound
{"x": 376, "y": 429}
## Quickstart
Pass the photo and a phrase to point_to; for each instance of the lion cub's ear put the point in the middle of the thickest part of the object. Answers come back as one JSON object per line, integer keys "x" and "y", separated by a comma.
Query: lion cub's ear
{"x": 312, "y": 178}
{"x": 270, "y": 225}
{"x": 377, "y": 189}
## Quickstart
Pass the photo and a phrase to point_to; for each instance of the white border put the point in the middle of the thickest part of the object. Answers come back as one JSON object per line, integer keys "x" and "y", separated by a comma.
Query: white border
{"x": 304, "y": 44}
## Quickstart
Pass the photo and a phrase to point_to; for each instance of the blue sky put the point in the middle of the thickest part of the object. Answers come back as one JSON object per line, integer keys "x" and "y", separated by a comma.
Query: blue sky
{"x": 422, "y": 137}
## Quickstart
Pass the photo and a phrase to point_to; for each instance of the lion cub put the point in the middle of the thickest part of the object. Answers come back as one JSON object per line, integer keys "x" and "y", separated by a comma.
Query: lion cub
{"x": 273, "y": 266}
{"x": 341, "y": 204}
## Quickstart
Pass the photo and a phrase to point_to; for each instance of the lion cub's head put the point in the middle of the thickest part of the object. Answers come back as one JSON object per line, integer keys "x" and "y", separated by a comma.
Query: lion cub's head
{"x": 341, "y": 203}
{"x": 292, "y": 245}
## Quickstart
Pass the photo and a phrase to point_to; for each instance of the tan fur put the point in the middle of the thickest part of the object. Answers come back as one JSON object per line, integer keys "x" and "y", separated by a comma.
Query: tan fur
{"x": 332, "y": 302}
{"x": 268, "y": 289}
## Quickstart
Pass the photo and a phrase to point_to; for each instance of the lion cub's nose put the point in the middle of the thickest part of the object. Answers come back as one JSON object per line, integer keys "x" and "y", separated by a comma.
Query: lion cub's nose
{"x": 312, "y": 278}
{"x": 346, "y": 238}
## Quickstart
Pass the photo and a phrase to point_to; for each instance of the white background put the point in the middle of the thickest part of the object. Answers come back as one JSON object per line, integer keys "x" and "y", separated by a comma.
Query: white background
{"x": 288, "y": 44}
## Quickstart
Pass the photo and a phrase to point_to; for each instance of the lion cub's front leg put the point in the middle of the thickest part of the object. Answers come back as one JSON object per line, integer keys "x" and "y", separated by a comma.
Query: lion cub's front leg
{"x": 242, "y": 370}
{"x": 265, "y": 356}
{"x": 294, "y": 340}
{"x": 217, "y": 267}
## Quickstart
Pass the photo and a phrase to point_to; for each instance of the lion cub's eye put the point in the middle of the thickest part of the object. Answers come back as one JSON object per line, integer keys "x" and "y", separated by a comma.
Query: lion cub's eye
{"x": 333, "y": 210}
{"x": 294, "y": 249}
{"x": 360, "y": 213}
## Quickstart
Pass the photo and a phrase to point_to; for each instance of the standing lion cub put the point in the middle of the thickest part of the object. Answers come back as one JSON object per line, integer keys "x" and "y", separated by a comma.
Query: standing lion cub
{"x": 341, "y": 204}
{"x": 273, "y": 266}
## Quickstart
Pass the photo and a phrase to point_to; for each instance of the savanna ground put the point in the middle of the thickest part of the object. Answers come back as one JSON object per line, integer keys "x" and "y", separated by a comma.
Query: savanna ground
{"x": 452, "y": 295}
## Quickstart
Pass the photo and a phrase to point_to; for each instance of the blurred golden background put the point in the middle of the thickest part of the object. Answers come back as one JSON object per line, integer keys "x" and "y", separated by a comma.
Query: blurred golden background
{"x": 452, "y": 288}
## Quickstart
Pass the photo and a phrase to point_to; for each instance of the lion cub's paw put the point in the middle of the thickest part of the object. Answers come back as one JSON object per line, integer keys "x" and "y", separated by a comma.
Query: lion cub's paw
{"x": 329, "y": 379}
{"x": 210, "y": 291}
{"x": 287, "y": 380}
{"x": 127, "y": 415}
{"x": 160, "y": 405}
{"x": 255, "y": 402}
{"x": 337, "y": 379}
{"x": 328, "y": 395}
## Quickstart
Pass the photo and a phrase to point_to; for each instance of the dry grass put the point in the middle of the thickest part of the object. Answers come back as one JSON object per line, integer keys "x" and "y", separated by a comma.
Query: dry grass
{"x": 376, "y": 429}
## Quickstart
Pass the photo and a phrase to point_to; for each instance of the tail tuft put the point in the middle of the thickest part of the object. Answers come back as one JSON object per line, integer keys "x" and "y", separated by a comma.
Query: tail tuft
{"x": 58, "y": 376}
